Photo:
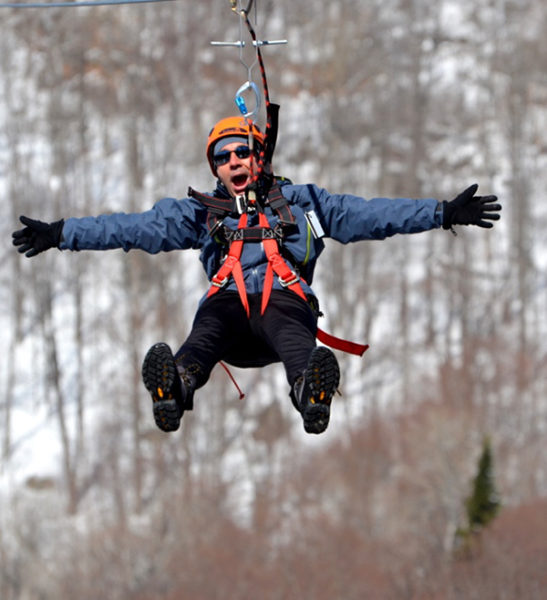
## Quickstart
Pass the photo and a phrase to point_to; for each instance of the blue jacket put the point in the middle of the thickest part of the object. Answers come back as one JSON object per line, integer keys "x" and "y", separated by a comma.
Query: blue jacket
{"x": 180, "y": 224}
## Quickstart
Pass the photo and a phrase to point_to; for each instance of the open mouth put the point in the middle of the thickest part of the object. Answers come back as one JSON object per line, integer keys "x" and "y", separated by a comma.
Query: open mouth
{"x": 240, "y": 181}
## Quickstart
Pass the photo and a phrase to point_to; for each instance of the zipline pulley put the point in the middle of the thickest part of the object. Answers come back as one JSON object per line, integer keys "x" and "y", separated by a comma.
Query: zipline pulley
{"x": 242, "y": 44}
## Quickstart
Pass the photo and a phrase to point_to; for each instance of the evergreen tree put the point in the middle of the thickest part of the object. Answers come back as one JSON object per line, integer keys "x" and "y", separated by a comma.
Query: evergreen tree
{"x": 483, "y": 504}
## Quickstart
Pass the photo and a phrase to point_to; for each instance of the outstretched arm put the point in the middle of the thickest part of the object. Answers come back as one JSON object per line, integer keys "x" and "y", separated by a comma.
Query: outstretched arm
{"x": 170, "y": 225}
{"x": 347, "y": 218}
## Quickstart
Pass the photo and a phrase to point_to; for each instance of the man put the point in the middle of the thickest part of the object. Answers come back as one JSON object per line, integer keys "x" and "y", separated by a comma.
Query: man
{"x": 260, "y": 238}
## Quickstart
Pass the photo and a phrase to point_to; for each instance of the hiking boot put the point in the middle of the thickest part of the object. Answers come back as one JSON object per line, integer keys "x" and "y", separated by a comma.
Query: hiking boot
{"x": 312, "y": 393}
{"x": 170, "y": 395}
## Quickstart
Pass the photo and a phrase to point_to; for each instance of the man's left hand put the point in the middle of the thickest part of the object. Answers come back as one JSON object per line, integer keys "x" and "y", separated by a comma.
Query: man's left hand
{"x": 468, "y": 209}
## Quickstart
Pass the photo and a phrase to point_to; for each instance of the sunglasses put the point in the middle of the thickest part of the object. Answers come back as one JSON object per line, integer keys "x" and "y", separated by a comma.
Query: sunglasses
{"x": 222, "y": 157}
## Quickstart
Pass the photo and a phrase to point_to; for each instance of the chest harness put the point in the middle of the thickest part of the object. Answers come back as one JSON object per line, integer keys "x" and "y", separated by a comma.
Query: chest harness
{"x": 272, "y": 240}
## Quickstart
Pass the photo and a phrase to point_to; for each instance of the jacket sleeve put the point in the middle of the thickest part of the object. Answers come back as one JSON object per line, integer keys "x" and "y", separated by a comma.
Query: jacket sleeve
{"x": 348, "y": 218}
{"x": 170, "y": 225}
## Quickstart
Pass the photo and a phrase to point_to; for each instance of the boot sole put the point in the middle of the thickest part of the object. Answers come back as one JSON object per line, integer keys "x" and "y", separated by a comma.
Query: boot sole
{"x": 161, "y": 379}
{"x": 322, "y": 377}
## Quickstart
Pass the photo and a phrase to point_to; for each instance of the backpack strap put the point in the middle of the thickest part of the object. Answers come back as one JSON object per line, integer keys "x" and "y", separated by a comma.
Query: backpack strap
{"x": 215, "y": 204}
{"x": 278, "y": 203}
{"x": 217, "y": 209}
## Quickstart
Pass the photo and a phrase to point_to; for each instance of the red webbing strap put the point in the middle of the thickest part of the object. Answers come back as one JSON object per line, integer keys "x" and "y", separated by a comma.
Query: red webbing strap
{"x": 232, "y": 266}
{"x": 288, "y": 278}
{"x": 340, "y": 344}
{"x": 277, "y": 265}
{"x": 241, "y": 393}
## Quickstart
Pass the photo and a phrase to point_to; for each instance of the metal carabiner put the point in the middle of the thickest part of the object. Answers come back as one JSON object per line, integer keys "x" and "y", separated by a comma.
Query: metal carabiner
{"x": 240, "y": 100}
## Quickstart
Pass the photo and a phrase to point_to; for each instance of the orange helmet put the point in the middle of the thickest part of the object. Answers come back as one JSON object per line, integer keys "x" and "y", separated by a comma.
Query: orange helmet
{"x": 230, "y": 127}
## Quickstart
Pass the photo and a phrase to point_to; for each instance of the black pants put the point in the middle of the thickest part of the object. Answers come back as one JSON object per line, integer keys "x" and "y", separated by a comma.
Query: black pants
{"x": 222, "y": 331}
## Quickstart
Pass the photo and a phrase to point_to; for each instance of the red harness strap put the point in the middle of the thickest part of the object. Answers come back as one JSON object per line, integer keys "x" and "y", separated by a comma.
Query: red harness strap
{"x": 340, "y": 344}
{"x": 289, "y": 279}
{"x": 276, "y": 266}
{"x": 232, "y": 266}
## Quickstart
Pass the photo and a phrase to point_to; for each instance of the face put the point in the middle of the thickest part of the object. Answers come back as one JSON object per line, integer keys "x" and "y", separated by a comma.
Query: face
{"x": 236, "y": 173}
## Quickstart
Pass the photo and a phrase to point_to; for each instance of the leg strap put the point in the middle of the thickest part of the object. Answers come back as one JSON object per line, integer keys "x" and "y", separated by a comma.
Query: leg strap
{"x": 232, "y": 266}
{"x": 277, "y": 265}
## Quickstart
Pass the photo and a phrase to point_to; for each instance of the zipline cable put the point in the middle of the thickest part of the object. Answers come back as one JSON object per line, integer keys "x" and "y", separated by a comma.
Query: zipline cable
{"x": 83, "y": 3}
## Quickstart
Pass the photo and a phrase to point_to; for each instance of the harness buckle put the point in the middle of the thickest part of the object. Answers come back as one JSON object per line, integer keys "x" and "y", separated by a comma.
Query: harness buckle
{"x": 219, "y": 283}
{"x": 241, "y": 203}
{"x": 294, "y": 278}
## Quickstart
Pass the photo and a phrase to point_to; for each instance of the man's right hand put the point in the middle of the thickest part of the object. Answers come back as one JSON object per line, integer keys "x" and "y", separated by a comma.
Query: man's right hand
{"x": 37, "y": 236}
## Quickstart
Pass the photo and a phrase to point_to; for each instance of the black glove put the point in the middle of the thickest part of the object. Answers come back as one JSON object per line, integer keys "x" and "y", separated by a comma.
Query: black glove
{"x": 468, "y": 209}
{"x": 37, "y": 236}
